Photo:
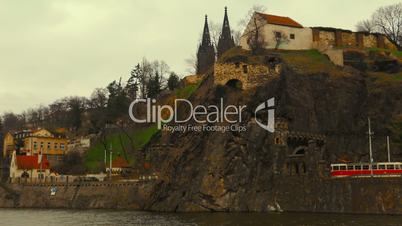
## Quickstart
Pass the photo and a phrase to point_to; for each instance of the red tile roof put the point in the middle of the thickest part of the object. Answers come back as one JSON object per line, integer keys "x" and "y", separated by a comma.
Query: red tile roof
{"x": 280, "y": 20}
{"x": 119, "y": 162}
{"x": 31, "y": 162}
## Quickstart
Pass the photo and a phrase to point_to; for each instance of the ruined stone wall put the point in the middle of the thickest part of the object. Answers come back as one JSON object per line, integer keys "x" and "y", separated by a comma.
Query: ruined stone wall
{"x": 389, "y": 45}
{"x": 328, "y": 38}
{"x": 335, "y": 55}
{"x": 349, "y": 38}
{"x": 324, "y": 40}
{"x": 369, "y": 41}
{"x": 248, "y": 74}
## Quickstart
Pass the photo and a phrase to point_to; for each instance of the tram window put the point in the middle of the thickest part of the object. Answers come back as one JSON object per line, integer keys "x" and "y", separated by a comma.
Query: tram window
{"x": 381, "y": 166}
{"x": 365, "y": 167}
{"x": 374, "y": 167}
{"x": 336, "y": 167}
{"x": 397, "y": 166}
{"x": 342, "y": 167}
{"x": 350, "y": 167}
{"x": 358, "y": 167}
{"x": 390, "y": 166}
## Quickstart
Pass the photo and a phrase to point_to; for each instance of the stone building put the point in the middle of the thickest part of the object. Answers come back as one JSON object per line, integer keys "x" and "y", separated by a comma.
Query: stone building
{"x": 226, "y": 41}
{"x": 297, "y": 37}
{"x": 243, "y": 75}
{"x": 270, "y": 27}
{"x": 206, "y": 51}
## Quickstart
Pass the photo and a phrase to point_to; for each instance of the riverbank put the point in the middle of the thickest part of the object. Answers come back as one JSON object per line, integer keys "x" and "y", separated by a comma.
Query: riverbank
{"x": 93, "y": 195}
{"x": 293, "y": 194}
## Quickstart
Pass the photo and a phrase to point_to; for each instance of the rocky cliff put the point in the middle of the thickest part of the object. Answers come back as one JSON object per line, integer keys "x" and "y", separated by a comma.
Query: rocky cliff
{"x": 248, "y": 171}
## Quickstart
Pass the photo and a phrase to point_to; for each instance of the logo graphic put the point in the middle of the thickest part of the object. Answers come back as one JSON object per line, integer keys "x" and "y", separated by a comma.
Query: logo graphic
{"x": 269, "y": 104}
{"x": 205, "y": 118}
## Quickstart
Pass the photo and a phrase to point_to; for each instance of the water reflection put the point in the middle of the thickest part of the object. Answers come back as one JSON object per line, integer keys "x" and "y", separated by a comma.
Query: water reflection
{"x": 59, "y": 217}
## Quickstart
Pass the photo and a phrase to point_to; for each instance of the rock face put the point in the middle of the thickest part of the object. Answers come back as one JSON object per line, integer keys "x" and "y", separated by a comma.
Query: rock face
{"x": 249, "y": 171}
{"x": 83, "y": 196}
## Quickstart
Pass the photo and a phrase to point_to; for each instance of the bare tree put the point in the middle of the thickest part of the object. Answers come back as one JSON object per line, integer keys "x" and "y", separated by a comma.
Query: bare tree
{"x": 244, "y": 22}
{"x": 236, "y": 36}
{"x": 98, "y": 98}
{"x": 215, "y": 32}
{"x": 280, "y": 38}
{"x": 388, "y": 20}
{"x": 191, "y": 63}
{"x": 255, "y": 38}
{"x": 365, "y": 26}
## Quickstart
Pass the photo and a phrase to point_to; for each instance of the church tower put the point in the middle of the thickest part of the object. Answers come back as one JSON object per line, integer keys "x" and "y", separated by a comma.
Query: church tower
{"x": 206, "y": 51}
{"x": 226, "y": 41}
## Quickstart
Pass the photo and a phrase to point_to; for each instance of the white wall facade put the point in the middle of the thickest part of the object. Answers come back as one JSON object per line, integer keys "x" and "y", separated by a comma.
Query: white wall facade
{"x": 303, "y": 37}
{"x": 16, "y": 172}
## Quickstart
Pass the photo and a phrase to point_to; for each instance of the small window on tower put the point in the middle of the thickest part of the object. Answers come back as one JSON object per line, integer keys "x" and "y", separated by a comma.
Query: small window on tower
{"x": 292, "y": 36}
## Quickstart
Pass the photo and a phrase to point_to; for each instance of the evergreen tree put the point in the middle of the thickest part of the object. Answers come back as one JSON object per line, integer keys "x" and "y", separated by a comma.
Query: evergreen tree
{"x": 173, "y": 81}
{"x": 154, "y": 86}
{"x": 117, "y": 102}
{"x": 131, "y": 88}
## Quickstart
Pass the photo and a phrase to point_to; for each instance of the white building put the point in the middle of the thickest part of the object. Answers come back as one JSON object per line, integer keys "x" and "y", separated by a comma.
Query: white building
{"x": 24, "y": 166}
{"x": 293, "y": 35}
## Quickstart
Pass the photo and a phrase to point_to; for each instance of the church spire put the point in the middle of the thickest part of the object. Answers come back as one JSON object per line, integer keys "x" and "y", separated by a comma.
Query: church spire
{"x": 226, "y": 41}
{"x": 206, "y": 38}
{"x": 206, "y": 51}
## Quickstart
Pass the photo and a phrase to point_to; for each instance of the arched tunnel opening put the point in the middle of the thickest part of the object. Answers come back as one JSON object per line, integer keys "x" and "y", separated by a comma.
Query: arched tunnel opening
{"x": 234, "y": 83}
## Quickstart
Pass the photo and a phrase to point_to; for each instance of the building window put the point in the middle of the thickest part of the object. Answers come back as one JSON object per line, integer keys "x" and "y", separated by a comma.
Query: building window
{"x": 56, "y": 145}
{"x": 245, "y": 69}
{"x": 292, "y": 36}
{"x": 237, "y": 64}
{"x": 41, "y": 144}
{"x": 278, "y": 35}
{"x": 62, "y": 146}
{"x": 48, "y": 145}
{"x": 35, "y": 145}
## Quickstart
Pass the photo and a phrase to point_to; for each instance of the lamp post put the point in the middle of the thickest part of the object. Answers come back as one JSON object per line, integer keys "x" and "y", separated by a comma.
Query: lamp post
{"x": 388, "y": 149}
{"x": 110, "y": 162}
{"x": 110, "y": 165}
{"x": 370, "y": 147}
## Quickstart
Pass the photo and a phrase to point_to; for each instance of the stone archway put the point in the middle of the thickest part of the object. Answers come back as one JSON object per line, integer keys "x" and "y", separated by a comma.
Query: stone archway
{"x": 299, "y": 151}
{"x": 234, "y": 83}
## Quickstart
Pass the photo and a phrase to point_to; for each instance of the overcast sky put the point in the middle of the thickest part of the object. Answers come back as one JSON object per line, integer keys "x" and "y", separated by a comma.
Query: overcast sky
{"x": 52, "y": 49}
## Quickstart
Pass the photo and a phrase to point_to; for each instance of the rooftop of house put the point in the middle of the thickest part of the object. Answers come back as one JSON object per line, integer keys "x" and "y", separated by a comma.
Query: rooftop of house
{"x": 32, "y": 133}
{"x": 31, "y": 162}
{"x": 120, "y": 162}
{"x": 280, "y": 20}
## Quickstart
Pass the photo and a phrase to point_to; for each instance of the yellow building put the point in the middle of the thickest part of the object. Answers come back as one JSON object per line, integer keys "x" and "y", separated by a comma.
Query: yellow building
{"x": 8, "y": 145}
{"x": 53, "y": 145}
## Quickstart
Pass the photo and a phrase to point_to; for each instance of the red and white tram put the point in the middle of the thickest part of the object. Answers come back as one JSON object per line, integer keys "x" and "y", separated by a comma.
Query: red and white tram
{"x": 378, "y": 169}
{"x": 383, "y": 169}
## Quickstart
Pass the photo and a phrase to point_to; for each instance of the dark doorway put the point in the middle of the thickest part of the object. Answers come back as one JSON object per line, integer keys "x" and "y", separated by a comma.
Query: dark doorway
{"x": 235, "y": 83}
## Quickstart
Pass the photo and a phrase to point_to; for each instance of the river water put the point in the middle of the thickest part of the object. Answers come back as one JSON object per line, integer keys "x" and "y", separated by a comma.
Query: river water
{"x": 61, "y": 217}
